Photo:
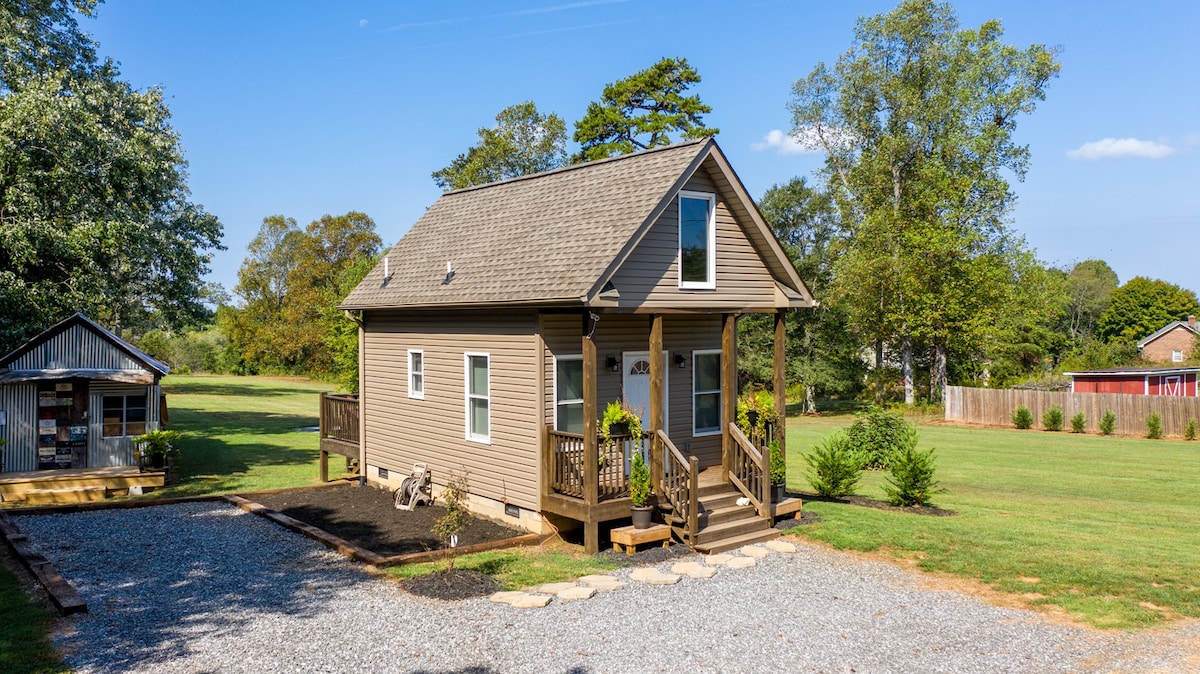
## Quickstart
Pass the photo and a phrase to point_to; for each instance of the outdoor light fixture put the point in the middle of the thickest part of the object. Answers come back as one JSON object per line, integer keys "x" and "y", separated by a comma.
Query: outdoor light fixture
{"x": 680, "y": 361}
{"x": 611, "y": 362}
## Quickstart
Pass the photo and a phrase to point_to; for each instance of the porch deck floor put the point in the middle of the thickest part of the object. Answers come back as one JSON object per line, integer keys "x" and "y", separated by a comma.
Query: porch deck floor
{"x": 15, "y": 486}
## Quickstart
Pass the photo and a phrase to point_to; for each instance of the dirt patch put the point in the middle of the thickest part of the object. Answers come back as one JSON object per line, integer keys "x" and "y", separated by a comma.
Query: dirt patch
{"x": 451, "y": 585}
{"x": 866, "y": 502}
{"x": 368, "y": 518}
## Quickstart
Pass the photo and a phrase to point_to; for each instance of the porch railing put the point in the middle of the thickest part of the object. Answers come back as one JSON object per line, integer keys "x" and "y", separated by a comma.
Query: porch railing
{"x": 761, "y": 437}
{"x": 748, "y": 470}
{"x": 568, "y": 473}
{"x": 681, "y": 485}
{"x": 339, "y": 417}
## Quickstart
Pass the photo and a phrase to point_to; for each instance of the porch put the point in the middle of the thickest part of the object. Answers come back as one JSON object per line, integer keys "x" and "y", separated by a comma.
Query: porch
{"x": 75, "y": 485}
{"x": 338, "y": 428}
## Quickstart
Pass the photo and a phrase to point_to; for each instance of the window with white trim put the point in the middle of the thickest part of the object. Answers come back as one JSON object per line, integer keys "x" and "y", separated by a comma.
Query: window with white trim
{"x": 568, "y": 394}
{"x": 697, "y": 240}
{"x": 706, "y": 392}
{"x": 478, "y": 398}
{"x": 1177, "y": 356}
{"x": 416, "y": 374}
{"x": 124, "y": 415}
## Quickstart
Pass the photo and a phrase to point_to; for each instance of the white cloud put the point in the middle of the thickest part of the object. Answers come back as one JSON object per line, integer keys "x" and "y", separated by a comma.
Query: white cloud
{"x": 362, "y": 22}
{"x": 788, "y": 143}
{"x": 1112, "y": 148}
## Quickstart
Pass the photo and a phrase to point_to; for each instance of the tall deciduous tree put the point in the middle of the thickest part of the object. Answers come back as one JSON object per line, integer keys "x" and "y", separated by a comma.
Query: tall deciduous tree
{"x": 94, "y": 207}
{"x": 523, "y": 141}
{"x": 1090, "y": 286}
{"x": 642, "y": 111}
{"x": 917, "y": 120}
{"x": 1142, "y": 306}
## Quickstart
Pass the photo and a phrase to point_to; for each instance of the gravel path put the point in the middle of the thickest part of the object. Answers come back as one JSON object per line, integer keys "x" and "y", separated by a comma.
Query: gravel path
{"x": 204, "y": 587}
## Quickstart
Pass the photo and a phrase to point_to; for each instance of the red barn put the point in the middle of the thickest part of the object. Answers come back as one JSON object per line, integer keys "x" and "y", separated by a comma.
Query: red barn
{"x": 1151, "y": 381}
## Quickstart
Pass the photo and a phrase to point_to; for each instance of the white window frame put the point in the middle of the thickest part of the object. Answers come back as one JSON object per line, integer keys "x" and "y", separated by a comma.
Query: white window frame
{"x": 467, "y": 396}
{"x": 557, "y": 402}
{"x": 413, "y": 374}
{"x": 695, "y": 432}
{"x": 1177, "y": 356}
{"x": 711, "y": 283}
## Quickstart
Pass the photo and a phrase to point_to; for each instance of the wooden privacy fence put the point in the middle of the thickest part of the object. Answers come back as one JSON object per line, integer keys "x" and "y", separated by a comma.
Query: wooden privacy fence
{"x": 995, "y": 407}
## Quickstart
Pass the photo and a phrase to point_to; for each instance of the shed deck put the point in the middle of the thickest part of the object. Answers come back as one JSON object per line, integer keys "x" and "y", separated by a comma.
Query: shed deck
{"x": 69, "y": 482}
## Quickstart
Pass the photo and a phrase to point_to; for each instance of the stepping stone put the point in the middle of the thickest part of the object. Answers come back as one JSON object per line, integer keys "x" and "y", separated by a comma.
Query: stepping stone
{"x": 718, "y": 560}
{"x": 555, "y": 588}
{"x": 694, "y": 570}
{"x": 781, "y": 546}
{"x": 576, "y": 592}
{"x": 741, "y": 563}
{"x": 531, "y": 601}
{"x": 603, "y": 583}
{"x": 507, "y": 597}
{"x": 754, "y": 551}
{"x": 654, "y": 577}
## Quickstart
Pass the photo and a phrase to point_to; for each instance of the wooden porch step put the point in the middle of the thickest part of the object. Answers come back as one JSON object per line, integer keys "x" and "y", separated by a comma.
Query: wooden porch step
{"x": 732, "y": 529}
{"x": 736, "y": 542}
{"x": 44, "y": 496}
{"x": 722, "y": 515}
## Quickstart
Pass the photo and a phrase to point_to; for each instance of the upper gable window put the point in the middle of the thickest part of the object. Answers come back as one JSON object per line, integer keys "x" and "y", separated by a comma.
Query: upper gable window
{"x": 697, "y": 240}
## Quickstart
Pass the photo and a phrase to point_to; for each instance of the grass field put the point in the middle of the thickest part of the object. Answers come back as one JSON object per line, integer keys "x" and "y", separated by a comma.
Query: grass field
{"x": 1107, "y": 529}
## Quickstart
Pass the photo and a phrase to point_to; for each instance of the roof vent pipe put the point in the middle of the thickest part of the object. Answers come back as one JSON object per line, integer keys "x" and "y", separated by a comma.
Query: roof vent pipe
{"x": 449, "y": 273}
{"x": 387, "y": 272}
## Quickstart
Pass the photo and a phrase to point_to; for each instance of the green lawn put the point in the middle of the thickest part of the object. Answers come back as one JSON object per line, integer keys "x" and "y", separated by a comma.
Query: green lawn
{"x": 24, "y": 643}
{"x": 516, "y": 568}
{"x": 1106, "y": 528}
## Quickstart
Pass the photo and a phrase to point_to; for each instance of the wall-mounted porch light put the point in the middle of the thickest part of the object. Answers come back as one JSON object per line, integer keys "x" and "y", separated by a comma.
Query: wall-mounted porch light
{"x": 611, "y": 362}
{"x": 680, "y": 361}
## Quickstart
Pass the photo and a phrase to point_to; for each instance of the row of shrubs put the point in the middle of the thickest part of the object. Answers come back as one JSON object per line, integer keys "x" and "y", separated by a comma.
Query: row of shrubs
{"x": 1052, "y": 420}
{"x": 877, "y": 440}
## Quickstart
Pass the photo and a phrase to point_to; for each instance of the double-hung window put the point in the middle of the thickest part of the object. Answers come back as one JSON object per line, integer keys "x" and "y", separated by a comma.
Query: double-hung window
{"x": 416, "y": 374}
{"x": 478, "y": 399}
{"x": 568, "y": 394}
{"x": 697, "y": 241}
{"x": 706, "y": 392}
{"x": 1177, "y": 356}
{"x": 124, "y": 415}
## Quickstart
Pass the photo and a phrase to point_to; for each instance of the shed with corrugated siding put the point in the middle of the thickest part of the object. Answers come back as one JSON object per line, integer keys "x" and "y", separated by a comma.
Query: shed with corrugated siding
{"x": 75, "y": 396}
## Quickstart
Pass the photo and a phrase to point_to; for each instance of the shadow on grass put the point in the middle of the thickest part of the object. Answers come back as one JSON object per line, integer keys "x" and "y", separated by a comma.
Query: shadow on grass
{"x": 202, "y": 387}
{"x": 193, "y": 423}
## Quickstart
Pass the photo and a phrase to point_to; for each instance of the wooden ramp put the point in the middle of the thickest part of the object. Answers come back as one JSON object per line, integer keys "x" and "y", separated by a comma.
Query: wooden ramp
{"x": 75, "y": 485}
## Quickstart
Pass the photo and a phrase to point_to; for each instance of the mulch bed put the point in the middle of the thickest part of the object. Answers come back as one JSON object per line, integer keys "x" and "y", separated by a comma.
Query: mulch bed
{"x": 367, "y": 517}
{"x": 932, "y": 511}
{"x": 452, "y": 585}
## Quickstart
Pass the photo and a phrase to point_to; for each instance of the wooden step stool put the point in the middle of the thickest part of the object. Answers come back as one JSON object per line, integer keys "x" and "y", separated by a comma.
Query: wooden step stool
{"x": 631, "y": 538}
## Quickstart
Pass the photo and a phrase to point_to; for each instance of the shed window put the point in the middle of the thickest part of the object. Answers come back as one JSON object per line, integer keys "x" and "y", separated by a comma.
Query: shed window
{"x": 706, "y": 392}
{"x": 416, "y": 374}
{"x": 697, "y": 240}
{"x": 1177, "y": 356}
{"x": 478, "y": 386}
{"x": 124, "y": 415}
{"x": 568, "y": 394}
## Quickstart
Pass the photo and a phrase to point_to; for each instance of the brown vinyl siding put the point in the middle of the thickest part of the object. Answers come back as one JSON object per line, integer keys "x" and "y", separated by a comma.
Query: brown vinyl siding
{"x": 650, "y": 276}
{"x": 401, "y": 431}
{"x": 617, "y": 333}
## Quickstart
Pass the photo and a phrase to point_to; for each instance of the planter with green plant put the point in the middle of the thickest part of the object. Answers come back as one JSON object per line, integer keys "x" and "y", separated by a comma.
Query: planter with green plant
{"x": 155, "y": 449}
{"x": 777, "y": 471}
{"x": 639, "y": 492}
{"x": 755, "y": 412}
{"x": 619, "y": 419}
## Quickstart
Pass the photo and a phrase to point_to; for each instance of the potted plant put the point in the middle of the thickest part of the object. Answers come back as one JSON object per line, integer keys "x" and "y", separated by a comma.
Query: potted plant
{"x": 755, "y": 410}
{"x": 154, "y": 448}
{"x": 639, "y": 492}
{"x": 777, "y": 471}
{"x": 620, "y": 419}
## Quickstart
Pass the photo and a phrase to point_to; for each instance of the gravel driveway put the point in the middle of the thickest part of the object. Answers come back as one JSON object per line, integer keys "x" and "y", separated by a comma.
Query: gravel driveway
{"x": 204, "y": 587}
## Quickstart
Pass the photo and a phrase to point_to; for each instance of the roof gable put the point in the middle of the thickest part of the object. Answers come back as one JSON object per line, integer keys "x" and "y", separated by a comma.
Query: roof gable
{"x": 106, "y": 351}
{"x": 1166, "y": 329}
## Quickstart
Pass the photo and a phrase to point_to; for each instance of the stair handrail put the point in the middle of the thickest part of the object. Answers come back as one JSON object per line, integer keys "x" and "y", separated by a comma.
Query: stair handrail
{"x": 681, "y": 483}
{"x": 749, "y": 471}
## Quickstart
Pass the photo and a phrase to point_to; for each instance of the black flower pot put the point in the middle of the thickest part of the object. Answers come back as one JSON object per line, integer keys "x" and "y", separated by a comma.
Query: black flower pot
{"x": 642, "y": 516}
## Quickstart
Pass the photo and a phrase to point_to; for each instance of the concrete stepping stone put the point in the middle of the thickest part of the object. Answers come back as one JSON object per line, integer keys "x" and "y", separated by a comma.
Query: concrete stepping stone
{"x": 754, "y": 551}
{"x": 654, "y": 577}
{"x": 718, "y": 560}
{"x": 531, "y": 601}
{"x": 742, "y": 563}
{"x": 781, "y": 546}
{"x": 555, "y": 588}
{"x": 603, "y": 583}
{"x": 694, "y": 570}
{"x": 507, "y": 597}
{"x": 576, "y": 592}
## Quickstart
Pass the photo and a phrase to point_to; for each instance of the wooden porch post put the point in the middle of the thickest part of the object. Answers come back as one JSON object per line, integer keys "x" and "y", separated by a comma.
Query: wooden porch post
{"x": 656, "y": 400}
{"x": 780, "y": 381}
{"x": 728, "y": 389}
{"x": 591, "y": 448}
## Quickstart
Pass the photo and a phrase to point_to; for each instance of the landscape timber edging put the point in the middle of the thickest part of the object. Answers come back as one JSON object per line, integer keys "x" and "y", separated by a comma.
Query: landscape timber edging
{"x": 62, "y": 594}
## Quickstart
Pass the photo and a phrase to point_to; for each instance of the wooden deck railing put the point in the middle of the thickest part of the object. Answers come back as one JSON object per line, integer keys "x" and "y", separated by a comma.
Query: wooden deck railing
{"x": 762, "y": 437}
{"x": 567, "y": 468}
{"x": 339, "y": 417}
{"x": 681, "y": 484}
{"x": 748, "y": 471}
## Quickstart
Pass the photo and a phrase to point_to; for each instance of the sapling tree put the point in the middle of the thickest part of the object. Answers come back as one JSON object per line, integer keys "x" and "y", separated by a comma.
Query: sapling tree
{"x": 449, "y": 526}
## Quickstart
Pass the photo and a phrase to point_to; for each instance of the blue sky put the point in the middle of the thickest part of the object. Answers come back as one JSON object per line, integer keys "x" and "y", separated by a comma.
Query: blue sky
{"x": 304, "y": 108}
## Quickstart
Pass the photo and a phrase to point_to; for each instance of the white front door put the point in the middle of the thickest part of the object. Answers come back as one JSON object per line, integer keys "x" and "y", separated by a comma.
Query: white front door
{"x": 635, "y": 384}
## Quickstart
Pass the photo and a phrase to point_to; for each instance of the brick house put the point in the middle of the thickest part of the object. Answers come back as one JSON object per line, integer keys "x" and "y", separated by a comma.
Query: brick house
{"x": 1173, "y": 343}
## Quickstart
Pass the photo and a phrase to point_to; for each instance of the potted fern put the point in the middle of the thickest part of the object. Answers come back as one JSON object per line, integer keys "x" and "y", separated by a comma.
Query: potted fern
{"x": 639, "y": 492}
{"x": 155, "y": 448}
{"x": 619, "y": 419}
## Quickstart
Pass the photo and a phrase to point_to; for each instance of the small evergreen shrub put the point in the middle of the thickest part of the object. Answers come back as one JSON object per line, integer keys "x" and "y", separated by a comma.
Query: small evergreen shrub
{"x": 1078, "y": 423}
{"x": 1022, "y": 418}
{"x": 877, "y": 434}
{"x": 1154, "y": 426}
{"x": 1108, "y": 422}
{"x": 835, "y": 467}
{"x": 912, "y": 480}
{"x": 1189, "y": 433}
{"x": 1052, "y": 420}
